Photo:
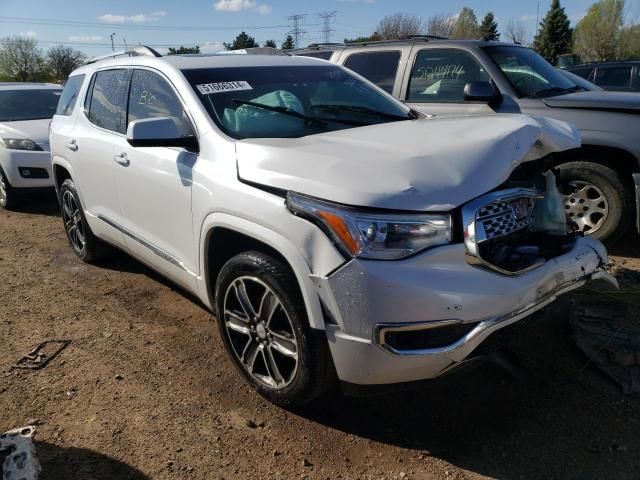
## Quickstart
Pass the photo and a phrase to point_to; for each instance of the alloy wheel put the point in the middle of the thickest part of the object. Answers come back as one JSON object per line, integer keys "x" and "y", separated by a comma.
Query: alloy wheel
{"x": 260, "y": 332}
{"x": 73, "y": 221}
{"x": 586, "y": 206}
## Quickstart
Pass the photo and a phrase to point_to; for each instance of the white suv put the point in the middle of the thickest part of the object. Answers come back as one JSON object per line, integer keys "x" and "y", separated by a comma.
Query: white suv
{"x": 332, "y": 230}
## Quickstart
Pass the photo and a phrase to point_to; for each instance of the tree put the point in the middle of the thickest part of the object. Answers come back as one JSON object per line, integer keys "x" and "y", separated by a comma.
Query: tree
{"x": 64, "y": 60}
{"x": 21, "y": 59}
{"x": 242, "y": 41}
{"x": 441, "y": 25}
{"x": 184, "y": 50}
{"x": 554, "y": 37}
{"x": 288, "y": 44}
{"x": 633, "y": 35}
{"x": 399, "y": 25}
{"x": 374, "y": 37}
{"x": 600, "y": 34}
{"x": 466, "y": 26}
{"x": 517, "y": 31}
{"x": 270, "y": 43}
{"x": 489, "y": 28}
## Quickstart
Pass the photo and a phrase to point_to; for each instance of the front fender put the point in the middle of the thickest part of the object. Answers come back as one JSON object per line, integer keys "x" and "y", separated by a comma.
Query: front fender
{"x": 274, "y": 240}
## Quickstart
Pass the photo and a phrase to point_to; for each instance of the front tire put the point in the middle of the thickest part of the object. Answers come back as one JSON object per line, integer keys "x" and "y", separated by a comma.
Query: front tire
{"x": 264, "y": 327}
{"x": 8, "y": 196}
{"x": 597, "y": 201}
{"x": 83, "y": 242}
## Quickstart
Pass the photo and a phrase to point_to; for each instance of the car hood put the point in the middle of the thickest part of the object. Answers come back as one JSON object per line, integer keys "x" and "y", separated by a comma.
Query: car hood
{"x": 597, "y": 100}
{"x": 36, "y": 130}
{"x": 431, "y": 164}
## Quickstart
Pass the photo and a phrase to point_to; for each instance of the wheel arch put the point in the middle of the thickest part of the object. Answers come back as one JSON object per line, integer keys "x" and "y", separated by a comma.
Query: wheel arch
{"x": 61, "y": 171}
{"x": 224, "y": 236}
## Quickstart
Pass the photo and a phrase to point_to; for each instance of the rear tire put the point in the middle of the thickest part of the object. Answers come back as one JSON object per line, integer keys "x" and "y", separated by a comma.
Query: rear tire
{"x": 597, "y": 200}
{"x": 84, "y": 243}
{"x": 263, "y": 324}
{"x": 8, "y": 195}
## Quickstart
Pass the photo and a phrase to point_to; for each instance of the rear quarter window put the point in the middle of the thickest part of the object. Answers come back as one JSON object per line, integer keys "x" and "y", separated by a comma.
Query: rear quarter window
{"x": 377, "y": 67}
{"x": 69, "y": 95}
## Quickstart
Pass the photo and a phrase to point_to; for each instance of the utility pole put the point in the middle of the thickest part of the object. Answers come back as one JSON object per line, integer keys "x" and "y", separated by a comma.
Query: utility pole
{"x": 296, "y": 31}
{"x": 126, "y": 48}
{"x": 113, "y": 49}
{"x": 327, "y": 31}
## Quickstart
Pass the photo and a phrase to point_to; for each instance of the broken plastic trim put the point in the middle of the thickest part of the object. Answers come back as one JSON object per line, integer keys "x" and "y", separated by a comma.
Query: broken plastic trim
{"x": 22, "y": 462}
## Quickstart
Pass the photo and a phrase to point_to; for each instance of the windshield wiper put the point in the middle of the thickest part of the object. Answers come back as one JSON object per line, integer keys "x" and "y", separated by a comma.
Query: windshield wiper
{"x": 288, "y": 111}
{"x": 366, "y": 110}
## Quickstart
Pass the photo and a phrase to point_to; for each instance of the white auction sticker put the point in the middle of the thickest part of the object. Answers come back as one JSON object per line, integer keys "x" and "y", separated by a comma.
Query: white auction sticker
{"x": 223, "y": 87}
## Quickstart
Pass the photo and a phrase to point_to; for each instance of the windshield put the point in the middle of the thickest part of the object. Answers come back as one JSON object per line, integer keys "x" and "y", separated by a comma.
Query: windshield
{"x": 290, "y": 102}
{"x": 16, "y": 105}
{"x": 530, "y": 74}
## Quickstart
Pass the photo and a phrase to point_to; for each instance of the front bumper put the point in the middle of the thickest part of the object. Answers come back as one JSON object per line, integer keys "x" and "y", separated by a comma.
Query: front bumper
{"x": 365, "y": 299}
{"x": 12, "y": 161}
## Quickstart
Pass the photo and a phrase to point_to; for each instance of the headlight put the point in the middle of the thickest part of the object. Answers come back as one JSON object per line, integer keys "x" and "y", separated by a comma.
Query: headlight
{"x": 20, "y": 144}
{"x": 371, "y": 235}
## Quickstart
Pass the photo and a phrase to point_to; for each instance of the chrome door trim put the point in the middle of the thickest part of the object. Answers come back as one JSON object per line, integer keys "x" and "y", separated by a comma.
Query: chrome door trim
{"x": 157, "y": 250}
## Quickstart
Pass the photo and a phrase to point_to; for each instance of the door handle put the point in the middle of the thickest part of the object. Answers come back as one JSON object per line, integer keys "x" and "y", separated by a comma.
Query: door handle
{"x": 73, "y": 146}
{"x": 122, "y": 159}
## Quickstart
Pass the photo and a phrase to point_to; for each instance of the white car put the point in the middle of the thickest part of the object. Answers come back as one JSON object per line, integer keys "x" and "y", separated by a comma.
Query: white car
{"x": 332, "y": 230}
{"x": 25, "y": 163}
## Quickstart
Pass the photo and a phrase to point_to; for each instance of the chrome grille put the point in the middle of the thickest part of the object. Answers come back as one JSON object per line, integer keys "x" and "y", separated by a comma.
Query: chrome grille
{"x": 505, "y": 217}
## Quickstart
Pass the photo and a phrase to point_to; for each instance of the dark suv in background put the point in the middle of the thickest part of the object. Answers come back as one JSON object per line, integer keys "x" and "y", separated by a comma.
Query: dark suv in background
{"x": 612, "y": 76}
{"x": 599, "y": 181}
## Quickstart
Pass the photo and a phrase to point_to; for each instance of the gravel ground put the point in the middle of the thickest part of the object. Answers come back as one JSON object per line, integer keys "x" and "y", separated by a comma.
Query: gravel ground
{"x": 145, "y": 389}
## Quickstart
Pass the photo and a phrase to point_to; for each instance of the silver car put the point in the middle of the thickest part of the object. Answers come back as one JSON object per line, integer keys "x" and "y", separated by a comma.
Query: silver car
{"x": 600, "y": 181}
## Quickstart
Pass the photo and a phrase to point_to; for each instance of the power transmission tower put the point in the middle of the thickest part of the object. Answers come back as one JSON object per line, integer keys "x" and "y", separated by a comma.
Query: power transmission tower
{"x": 327, "y": 31}
{"x": 296, "y": 31}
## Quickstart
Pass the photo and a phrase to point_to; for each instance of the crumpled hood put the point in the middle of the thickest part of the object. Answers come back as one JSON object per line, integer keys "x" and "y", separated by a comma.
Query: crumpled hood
{"x": 36, "y": 130}
{"x": 430, "y": 164}
{"x": 596, "y": 100}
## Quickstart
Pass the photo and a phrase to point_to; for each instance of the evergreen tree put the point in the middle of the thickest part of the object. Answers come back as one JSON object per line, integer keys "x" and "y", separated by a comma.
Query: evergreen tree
{"x": 554, "y": 37}
{"x": 242, "y": 41}
{"x": 466, "y": 26}
{"x": 270, "y": 43}
{"x": 288, "y": 44}
{"x": 184, "y": 50}
{"x": 489, "y": 28}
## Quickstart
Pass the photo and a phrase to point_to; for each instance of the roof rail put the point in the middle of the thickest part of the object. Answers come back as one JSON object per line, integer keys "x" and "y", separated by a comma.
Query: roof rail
{"x": 250, "y": 51}
{"x": 424, "y": 38}
{"x": 140, "y": 50}
{"x": 427, "y": 37}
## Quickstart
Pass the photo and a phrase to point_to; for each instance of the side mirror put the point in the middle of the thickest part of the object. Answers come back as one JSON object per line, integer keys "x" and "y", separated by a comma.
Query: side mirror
{"x": 158, "y": 132}
{"x": 481, "y": 92}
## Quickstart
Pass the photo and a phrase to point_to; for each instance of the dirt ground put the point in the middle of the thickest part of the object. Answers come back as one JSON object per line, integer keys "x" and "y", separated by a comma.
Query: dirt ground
{"x": 145, "y": 389}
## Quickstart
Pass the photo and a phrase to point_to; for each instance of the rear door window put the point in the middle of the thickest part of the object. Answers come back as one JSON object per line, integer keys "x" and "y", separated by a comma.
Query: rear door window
{"x": 614, "y": 78}
{"x": 377, "y": 67}
{"x": 106, "y": 107}
{"x": 69, "y": 95}
{"x": 440, "y": 75}
{"x": 151, "y": 96}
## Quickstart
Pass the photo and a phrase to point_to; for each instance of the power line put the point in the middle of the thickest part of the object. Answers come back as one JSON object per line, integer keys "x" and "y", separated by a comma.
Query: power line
{"x": 327, "y": 31}
{"x": 115, "y": 26}
{"x": 296, "y": 31}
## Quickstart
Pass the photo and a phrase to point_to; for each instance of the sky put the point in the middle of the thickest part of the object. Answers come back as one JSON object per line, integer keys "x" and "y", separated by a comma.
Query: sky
{"x": 88, "y": 24}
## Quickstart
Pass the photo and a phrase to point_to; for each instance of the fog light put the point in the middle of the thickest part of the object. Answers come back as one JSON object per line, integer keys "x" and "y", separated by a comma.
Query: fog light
{"x": 32, "y": 172}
